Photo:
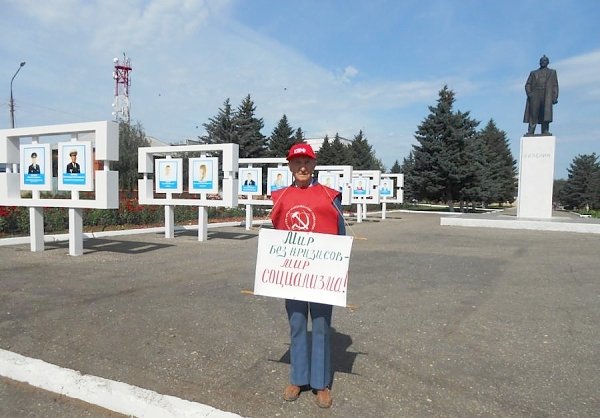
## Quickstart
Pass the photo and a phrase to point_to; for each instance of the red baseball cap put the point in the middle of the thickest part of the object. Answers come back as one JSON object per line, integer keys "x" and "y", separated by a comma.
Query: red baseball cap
{"x": 301, "y": 150}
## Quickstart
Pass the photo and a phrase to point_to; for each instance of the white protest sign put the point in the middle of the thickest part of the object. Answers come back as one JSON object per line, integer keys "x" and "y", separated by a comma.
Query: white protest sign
{"x": 303, "y": 266}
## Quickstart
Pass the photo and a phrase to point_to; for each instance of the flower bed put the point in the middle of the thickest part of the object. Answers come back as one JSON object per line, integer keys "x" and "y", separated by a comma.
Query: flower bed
{"x": 14, "y": 221}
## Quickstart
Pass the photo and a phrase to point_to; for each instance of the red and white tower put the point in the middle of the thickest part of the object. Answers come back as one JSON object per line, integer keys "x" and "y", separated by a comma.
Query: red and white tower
{"x": 121, "y": 103}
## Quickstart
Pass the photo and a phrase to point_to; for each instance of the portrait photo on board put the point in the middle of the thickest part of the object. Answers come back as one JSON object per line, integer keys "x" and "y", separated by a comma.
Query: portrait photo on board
{"x": 360, "y": 186}
{"x": 75, "y": 170}
{"x": 250, "y": 181}
{"x": 278, "y": 178}
{"x": 203, "y": 175}
{"x": 330, "y": 180}
{"x": 386, "y": 187}
{"x": 168, "y": 175}
{"x": 36, "y": 167}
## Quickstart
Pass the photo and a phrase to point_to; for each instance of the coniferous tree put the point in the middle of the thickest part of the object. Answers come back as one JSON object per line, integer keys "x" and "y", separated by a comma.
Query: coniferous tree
{"x": 340, "y": 151}
{"x": 326, "y": 155}
{"x": 582, "y": 190}
{"x": 247, "y": 129}
{"x": 396, "y": 169}
{"x": 499, "y": 171}
{"x": 362, "y": 155}
{"x": 131, "y": 137}
{"x": 220, "y": 129}
{"x": 282, "y": 138}
{"x": 558, "y": 191}
{"x": 299, "y": 136}
{"x": 407, "y": 168}
{"x": 444, "y": 159}
{"x": 472, "y": 190}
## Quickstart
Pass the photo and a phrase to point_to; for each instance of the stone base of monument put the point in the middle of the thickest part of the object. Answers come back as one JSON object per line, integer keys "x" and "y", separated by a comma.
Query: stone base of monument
{"x": 534, "y": 203}
{"x": 536, "y": 177}
{"x": 561, "y": 222}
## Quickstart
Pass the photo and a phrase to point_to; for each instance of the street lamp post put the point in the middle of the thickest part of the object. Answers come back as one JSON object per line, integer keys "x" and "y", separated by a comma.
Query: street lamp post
{"x": 12, "y": 101}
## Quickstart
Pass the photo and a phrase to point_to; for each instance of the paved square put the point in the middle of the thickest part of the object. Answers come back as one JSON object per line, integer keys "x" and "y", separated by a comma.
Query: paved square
{"x": 449, "y": 321}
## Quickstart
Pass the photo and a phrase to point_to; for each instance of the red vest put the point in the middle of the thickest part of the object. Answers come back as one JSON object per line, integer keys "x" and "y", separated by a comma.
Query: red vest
{"x": 305, "y": 210}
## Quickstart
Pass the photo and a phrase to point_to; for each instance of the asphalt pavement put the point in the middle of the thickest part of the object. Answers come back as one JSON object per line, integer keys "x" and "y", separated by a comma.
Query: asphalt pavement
{"x": 446, "y": 322}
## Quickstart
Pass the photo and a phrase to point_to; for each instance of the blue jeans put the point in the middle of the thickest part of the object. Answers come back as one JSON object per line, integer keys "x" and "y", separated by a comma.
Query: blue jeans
{"x": 309, "y": 367}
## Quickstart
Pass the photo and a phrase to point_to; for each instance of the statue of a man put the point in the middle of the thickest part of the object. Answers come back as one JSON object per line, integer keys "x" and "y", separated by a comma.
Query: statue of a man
{"x": 542, "y": 93}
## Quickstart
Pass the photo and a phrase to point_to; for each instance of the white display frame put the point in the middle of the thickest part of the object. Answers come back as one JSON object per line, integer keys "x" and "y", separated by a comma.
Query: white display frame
{"x": 228, "y": 182}
{"x": 371, "y": 180}
{"x": 104, "y": 148}
{"x": 228, "y": 169}
{"x": 397, "y": 191}
{"x": 246, "y": 163}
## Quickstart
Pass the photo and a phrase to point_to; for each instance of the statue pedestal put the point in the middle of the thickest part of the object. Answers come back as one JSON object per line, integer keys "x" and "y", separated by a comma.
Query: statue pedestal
{"x": 536, "y": 177}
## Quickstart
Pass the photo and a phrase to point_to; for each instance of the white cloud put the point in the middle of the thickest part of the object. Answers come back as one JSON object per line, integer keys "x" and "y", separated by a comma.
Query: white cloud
{"x": 158, "y": 22}
{"x": 581, "y": 73}
{"x": 348, "y": 74}
{"x": 49, "y": 11}
{"x": 189, "y": 56}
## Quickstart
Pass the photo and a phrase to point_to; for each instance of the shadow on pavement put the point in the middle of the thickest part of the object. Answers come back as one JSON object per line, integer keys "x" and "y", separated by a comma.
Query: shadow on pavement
{"x": 342, "y": 360}
{"x": 108, "y": 245}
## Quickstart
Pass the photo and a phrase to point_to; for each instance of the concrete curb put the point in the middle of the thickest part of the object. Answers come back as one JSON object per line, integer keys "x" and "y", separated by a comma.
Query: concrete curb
{"x": 115, "y": 396}
{"x": 556, "y": 225}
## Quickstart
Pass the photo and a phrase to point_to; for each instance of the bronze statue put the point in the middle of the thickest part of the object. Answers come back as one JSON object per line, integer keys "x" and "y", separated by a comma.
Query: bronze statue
{"x": 542, "y": 93}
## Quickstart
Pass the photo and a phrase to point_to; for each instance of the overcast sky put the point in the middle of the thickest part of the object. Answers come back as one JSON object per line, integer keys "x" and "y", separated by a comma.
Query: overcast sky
{"x": 330, "y": 66}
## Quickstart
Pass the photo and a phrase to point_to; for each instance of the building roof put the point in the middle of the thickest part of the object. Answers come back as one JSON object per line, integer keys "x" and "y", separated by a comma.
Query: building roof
{"x": 316, "y": 143}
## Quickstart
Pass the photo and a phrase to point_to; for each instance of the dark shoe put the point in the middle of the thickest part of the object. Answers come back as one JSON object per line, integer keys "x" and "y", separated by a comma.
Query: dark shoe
{"x": 291, "y": 393}
{"x": 324, "y": 399}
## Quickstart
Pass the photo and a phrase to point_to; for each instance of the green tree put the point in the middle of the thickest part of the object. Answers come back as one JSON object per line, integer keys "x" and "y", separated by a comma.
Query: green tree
{"x": 247, "y": 127}
{"x": 362, "y": 155}
{"x": 340, "y": 151}
{"x": 325, "y": 155}
{"x": 407, "y": 168}
{"x": 444, "y": 159}
{"x": 558, "y": 191}
{"x": 282, "y": 138}
{"x": 299, "y": 136}
{"x": 396, "y": 169}
{"x": 131, "y": 137}
{"x": 220, "y": 129}
{"x": 582, "y": 190}
{"x": 498, "y": 175}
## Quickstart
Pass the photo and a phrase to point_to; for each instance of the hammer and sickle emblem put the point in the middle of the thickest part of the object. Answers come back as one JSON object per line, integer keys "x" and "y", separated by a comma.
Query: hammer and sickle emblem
{"x": 300, "y": 218}
{"x": 302, "y": 221}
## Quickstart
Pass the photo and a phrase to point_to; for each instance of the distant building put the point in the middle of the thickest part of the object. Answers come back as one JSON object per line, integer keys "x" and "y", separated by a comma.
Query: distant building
{"x": 155, "y": 142}
{"x": 316, "y": 143}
